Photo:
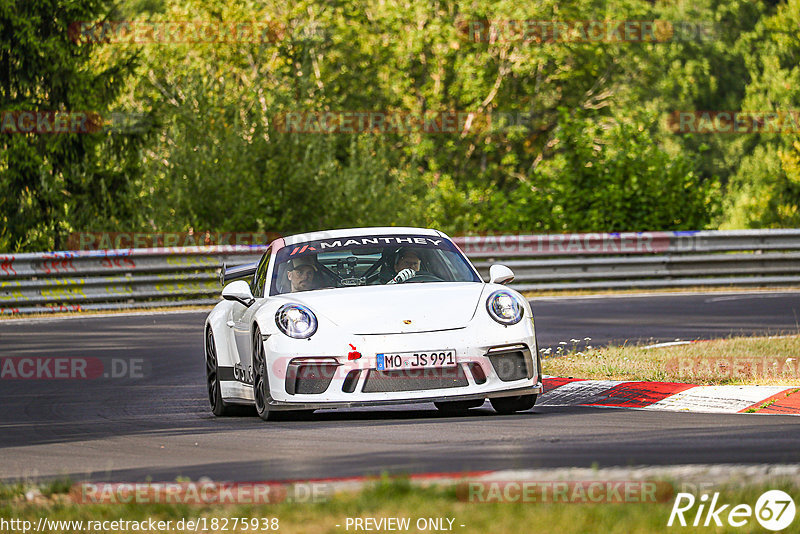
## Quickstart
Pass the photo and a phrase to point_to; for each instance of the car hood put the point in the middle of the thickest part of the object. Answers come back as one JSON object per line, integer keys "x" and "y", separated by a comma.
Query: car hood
{"x": 406, "y": 308}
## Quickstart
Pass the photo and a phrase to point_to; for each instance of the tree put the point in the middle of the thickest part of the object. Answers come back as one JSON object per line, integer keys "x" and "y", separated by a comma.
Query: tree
{"x": 764, "y": 191}
{"x": 613, "y": 177}
{"x": 54, "y": 182}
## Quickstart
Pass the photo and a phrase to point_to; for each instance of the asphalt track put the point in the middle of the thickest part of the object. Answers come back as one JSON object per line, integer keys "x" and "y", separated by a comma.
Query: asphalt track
{"x": 159, "y": 426}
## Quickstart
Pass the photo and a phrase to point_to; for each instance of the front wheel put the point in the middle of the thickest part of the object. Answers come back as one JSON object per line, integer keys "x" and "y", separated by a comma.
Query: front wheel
{"x": 509, "y": 405}
{"x": 218, "y": 406}
{"x": 260, "y": 379}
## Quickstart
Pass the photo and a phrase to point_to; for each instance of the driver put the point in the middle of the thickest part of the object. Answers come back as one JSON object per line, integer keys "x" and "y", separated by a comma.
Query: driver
{"x": 406, "y": 264}
{"x": 407, "y": 258}
{"x": 301, "y": 273}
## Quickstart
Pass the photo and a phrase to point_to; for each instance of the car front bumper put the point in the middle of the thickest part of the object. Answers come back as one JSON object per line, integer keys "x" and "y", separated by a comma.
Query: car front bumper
{"x": 313, "y": 374}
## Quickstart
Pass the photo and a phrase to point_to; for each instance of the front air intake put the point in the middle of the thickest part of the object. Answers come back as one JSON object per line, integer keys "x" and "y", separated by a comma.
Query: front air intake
{"x": 309, "y": 377}
{"x": 511, "y": 365}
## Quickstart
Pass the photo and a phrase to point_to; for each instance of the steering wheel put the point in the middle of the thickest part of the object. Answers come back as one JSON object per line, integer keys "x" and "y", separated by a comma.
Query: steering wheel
{"x": 424, "y": 276}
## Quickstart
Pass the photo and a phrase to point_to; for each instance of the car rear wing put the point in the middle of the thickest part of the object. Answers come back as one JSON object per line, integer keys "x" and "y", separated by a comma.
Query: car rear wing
{"x": 236, "y": 272}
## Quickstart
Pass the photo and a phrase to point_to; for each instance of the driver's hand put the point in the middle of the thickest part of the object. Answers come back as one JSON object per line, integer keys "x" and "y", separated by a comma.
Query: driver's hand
{"x": 402, "y": 276}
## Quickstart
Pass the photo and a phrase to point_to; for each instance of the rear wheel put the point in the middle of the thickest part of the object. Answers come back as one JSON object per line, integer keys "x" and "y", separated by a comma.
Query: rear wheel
{"x": 458, "y": 406}
{"x": 218, "y": 406}
{"x": 509, "y": 405}
{"x": 260, "y": 379}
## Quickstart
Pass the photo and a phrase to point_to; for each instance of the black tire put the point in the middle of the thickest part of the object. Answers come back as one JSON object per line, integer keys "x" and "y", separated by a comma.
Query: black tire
{"x": 218, "y": 406}
{"x": 458, "y": 406}
{"x": 260, "y": 380}
{"x": 509, "y": 405}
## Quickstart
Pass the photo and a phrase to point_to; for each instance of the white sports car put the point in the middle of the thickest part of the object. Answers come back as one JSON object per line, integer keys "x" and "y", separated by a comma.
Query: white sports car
{"x": 368, "y": 317}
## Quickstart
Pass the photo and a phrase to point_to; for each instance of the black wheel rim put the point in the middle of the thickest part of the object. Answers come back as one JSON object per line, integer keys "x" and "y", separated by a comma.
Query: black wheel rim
{"x": 259, "y": 385}
{"x": 211, "y": 369}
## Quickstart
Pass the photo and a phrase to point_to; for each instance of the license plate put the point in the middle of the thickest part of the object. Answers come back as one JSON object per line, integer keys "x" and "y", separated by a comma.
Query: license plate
{"x": 416, "y": 360}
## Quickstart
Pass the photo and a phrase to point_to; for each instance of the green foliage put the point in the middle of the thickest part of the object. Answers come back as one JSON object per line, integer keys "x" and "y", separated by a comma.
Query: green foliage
{"x": 56, "y": 486}
{"x": 54, "y": 183}
{"x": 765, "y": 191}
{"x": 618, "y": 179}
{"x": 576, "y": 140}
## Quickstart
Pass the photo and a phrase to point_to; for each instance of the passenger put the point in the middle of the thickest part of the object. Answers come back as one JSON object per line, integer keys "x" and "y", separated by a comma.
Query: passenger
{"x": 301, "y": 274}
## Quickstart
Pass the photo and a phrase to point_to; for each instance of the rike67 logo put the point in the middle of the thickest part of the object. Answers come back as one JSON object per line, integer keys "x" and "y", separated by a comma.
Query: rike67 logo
{"x": 774, "y": 510}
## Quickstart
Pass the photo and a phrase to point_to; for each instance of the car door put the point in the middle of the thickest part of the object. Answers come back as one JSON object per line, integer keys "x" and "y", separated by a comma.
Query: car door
{"x": 244, "y": 318}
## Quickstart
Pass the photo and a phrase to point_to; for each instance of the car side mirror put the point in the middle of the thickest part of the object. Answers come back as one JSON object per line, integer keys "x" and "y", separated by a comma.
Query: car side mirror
{"x": 239, "y": 291}
{"x": 500, "y": 274}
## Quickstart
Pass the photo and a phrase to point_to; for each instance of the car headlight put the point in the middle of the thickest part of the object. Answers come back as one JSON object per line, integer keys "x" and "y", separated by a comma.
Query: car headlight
{"x": 297, "y": 321}
{"x": 505, "y": 308}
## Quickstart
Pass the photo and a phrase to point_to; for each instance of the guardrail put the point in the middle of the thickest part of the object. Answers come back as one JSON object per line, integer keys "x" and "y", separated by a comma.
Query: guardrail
{"x": 127, "y": 278}
{"x": 642, "y": 259}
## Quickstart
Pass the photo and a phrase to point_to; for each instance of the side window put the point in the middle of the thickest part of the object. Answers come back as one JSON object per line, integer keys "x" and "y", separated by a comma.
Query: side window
{"x": 260, "y": 277}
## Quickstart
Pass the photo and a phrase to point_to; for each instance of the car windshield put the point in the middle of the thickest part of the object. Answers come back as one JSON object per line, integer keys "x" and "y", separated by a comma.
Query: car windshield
{"x": 368, "y": 260}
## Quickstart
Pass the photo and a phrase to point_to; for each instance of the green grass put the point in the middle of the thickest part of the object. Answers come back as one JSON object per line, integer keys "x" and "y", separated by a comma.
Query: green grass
{"x": 400, "y": 498}
{"x": 736, "y": 361}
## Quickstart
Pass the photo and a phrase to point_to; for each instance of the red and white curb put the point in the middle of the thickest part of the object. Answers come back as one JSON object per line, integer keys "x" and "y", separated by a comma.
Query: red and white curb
{"x": 670, "y": 396}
